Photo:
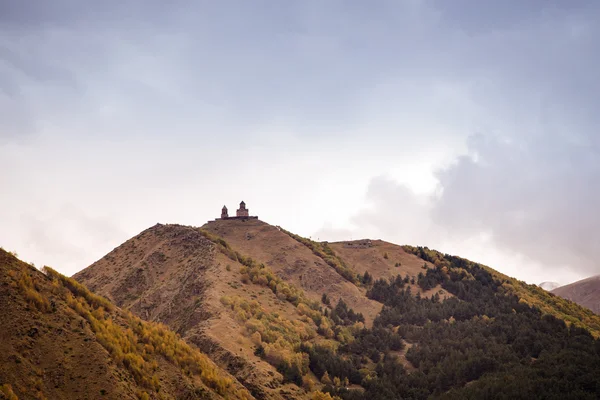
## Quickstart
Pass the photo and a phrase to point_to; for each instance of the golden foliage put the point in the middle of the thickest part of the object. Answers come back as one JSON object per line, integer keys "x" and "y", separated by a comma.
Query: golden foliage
{"x": 259, "y": 274}
{"x": 323, "y": 396}
{"x": 325, "y": 379}
{"x": 568, "y": 311}
{"x": 22, "y": 280}
{"x": 307, "y": 383}
{"x": 79, "y": 290}
{"x": 143, "y": 396}
{"x": 326, "y": 253}
{"x": 279, "y": 337}
{"x": 270, "y": 326}
{"x": 7, "y": 393}
{"x": 137, "y": 344}
{"x": 256, "y": 338}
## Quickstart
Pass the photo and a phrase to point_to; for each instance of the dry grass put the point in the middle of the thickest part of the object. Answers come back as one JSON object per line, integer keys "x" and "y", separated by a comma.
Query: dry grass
{"x": 137, "y": 345}
{"x": 59, "y": 340}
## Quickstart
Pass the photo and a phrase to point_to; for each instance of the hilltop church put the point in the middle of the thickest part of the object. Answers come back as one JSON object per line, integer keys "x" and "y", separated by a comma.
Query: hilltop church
{"x": 241, "y": 213}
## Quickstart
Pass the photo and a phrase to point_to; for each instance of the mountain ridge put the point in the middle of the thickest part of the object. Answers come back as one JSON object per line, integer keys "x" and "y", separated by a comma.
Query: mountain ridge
{"x": 283, "y": 313}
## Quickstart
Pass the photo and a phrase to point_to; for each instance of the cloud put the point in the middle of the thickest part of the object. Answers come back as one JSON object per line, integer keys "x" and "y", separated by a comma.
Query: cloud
{"x": 528, "y": 204}
{"x": 67, "y": 248}
{"x": 395, "y": 210}
{"x": 535, "y": 196}
{"x": 322, "y": 108}
{"x": 525, "y": 93}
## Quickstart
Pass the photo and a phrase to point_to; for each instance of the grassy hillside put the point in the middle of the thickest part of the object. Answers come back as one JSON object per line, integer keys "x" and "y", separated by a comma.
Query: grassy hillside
{"x": 296, "y": 319}
{"x": 60, "y": 341}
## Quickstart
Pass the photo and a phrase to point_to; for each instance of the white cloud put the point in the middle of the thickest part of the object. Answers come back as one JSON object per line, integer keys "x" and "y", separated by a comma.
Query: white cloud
{"x": 137, "y": 112}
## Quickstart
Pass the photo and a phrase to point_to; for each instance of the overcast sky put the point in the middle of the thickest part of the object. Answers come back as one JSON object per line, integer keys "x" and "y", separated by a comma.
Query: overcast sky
{"x": 466, "y": 126}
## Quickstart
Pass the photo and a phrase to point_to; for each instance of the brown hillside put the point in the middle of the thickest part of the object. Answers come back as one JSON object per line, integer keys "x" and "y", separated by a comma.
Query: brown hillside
{"x": 234, "y": 286}
{"x": 585, "y": 292}
{"x": 293, "y": 262}
{"x": 173, "y": 274}
{"x": 384, "y": 260}
{"x": 60, "y": 341}
{"x": 160, "y": 275}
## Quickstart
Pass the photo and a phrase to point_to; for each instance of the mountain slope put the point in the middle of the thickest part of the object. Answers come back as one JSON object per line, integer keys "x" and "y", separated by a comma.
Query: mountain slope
{"x": 288, "y": 316}
{"x": 532, "y": 295}
{"x": 585, "y": 292}
{"x": 293, "y": 262}
{"x": 384, "y": 260}
{"x": 175, "y": 275}
{"x": 60, "y": 341}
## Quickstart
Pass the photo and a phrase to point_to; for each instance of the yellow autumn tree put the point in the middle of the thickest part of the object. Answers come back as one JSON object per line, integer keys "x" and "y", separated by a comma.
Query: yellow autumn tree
{"x": 256, "y": 338}
{"x": 325, "y": 379}
{"x": 307, "y": 383}
{"x": 7, "y": 392}
{"x": 321, "y": 396}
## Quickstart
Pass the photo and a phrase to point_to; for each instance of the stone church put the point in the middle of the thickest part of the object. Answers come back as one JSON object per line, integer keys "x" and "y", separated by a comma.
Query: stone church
{"x": 241, "y": 213}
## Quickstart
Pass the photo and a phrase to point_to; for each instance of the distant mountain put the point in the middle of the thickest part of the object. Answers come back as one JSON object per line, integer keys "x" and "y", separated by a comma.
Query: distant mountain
{"x": 60, "y": 341}
{"x": 549, "y": 286}
{"x": 289, "y": 317}
{"x": 585, "y": 292}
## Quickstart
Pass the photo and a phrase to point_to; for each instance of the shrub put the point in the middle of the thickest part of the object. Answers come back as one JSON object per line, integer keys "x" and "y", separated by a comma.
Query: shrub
{"x": 321, "y": 396}
{"x": 7, "y": 392}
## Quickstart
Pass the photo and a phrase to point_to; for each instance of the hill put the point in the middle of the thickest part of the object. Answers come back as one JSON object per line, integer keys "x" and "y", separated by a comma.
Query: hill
{"x": 289, "y": 317}
{"x": 60, "y": 341}
{"x": 585, "y": 292}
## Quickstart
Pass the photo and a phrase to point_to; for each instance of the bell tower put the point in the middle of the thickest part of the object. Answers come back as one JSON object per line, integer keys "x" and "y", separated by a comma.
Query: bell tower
{"x": 242, "y": 211}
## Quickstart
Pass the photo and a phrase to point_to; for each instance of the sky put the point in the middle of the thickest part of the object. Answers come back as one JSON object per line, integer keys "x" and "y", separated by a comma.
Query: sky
{"x": 466, "y": 126}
